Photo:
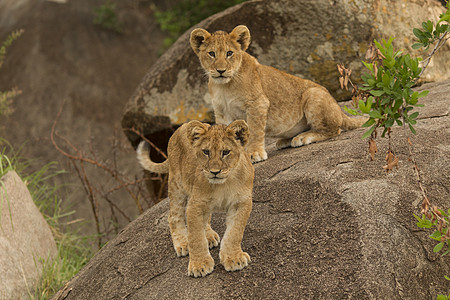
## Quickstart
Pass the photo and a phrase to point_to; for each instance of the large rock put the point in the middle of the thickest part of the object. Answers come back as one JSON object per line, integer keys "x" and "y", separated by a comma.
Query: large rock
{"x": 327, "y": 223}
{"x": 306, "y": 38}
{"x": 25, "y": 239}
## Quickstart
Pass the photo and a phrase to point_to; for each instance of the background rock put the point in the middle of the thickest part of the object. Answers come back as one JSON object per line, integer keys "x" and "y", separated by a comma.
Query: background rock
{"x": 305, "y": 38}
{"x": 64, "y": 58}
{"x": 327, "y": 223}
{"x": 25, "y": 239}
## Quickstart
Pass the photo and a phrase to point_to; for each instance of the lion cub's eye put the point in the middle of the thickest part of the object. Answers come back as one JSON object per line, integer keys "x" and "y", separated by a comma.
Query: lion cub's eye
{"x": 212, "y": 54}
{"x": 225, "y": 153}
{"x": 229, "y": 53}
{"x": 206, "y": 152}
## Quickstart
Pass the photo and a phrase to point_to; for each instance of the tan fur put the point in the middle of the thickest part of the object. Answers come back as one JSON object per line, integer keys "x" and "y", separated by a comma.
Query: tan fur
{"x": 276, "y": 104}
{"x": 195, "y": 191}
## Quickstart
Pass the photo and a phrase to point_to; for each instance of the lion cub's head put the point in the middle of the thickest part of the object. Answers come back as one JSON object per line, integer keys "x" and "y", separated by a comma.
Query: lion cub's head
{"x": 218, "y": 147}
{"x": 220, "y": 53}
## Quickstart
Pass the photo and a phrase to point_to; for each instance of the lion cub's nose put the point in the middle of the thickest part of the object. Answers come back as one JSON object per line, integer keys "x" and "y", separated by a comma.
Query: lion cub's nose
{"x": 215, "y": 172}
{"x": 220, "y": 71}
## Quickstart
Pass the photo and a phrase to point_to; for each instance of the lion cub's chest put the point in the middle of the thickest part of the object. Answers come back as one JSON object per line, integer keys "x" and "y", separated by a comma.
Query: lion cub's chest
{"x": 228, "y": 104}
{"x": 223, "y": 197}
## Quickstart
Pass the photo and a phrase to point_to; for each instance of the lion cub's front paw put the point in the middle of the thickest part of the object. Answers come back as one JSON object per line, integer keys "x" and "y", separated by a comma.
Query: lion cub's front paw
{"x": 213, "y": 238}
{"x": 257, "y": 155}
{"x": 235, "y": 262}
{"x": 283, "y": 143}
{"x": 200, "y": 268}
{"x": 181, "y": 246}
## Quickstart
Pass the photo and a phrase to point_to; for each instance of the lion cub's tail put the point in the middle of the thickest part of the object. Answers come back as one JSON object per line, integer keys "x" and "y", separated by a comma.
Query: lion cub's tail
{"x": 143, "y": 156}
{"x": 349, "y": 123}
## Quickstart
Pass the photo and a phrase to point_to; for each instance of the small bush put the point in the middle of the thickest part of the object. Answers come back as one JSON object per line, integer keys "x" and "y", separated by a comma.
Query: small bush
{"x": 105, "y": 16}
{"x": 187, "y": 13}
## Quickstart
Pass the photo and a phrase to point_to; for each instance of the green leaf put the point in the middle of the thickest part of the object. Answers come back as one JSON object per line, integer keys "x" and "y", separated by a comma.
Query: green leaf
{"x": 369, "y": 122}
{"x": 375, "y": 114}
{"x": 416, "y": 46}
{"x": 389, "y": 62}
{"x": 445, "y": 17}
{"x": 389, "y": 123}
{"x": 438, "y": 247}
{"x": 417, "y": 217}
{"x": 441, "y": 297}
{"x": 443, "y": 212}
{"x": 368, "y": 66}
{"x": 385, "y": 101}
{"x": 397, "y": 104}
{"x": 386, "y": 79}
{"x": 350, "y": 111}
{"x": 446, "y": 277}
{"x": 377, "y": 93}
{"x": 437, "y": 234}
{"x": 362, "y": 107}
{"x": 414, "y": 65}
{"x": 379, "y": 46}
{"x": 412, "y": 129}
{"x": 423, "y": 94}
{"x": 428, "y": 26}
{"x": 368, "y": 132}
{"x": 418, "y": 33}
{"x": 414, "y": 115}
{"x": 413, "y": 101}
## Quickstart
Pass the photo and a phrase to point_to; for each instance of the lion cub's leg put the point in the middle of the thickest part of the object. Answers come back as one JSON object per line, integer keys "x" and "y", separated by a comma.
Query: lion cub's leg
{"x": 257, "y": 119}
{"x": 201, "y": 262}
{"x": 323, "y": 115}
{"x": 311, "y": 136}
{"x": 177, "y": 220}
{"x": 212, "y": 236}
{"x": 231, "y": 255}
{"x": 284, "y": 143}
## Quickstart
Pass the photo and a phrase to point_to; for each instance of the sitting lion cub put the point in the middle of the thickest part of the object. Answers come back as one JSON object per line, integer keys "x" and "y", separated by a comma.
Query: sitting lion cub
{"x": 294, "y": 110}
{"x": 208, "y": 170}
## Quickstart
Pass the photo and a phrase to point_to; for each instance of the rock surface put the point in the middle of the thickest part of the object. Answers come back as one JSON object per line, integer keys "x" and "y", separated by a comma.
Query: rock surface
{"x": 25, "y": 238}
{"x": 305, "y": 38}
{"x": 327, "y": 223}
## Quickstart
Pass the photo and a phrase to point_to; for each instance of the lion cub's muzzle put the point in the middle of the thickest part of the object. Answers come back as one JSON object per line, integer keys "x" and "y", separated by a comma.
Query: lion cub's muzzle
{"x": 216, "y": 176}
{"x": 220, "y": 76}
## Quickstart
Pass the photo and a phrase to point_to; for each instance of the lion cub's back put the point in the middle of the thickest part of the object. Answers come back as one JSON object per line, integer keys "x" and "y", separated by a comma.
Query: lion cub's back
{"x": 179, "y": 151}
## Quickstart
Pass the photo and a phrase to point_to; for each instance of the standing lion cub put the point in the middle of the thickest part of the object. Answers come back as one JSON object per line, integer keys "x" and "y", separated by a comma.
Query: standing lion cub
{"x": 294, "y": 110}
{"x": 208, "y": 170}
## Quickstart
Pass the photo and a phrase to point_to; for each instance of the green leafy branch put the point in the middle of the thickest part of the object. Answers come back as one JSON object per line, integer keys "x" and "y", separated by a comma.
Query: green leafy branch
{"x": 6, "y": 97}
{"x": 438, "y": 219}
{"x": 387, "y": 98}
{"x": 432, "y": 216}
{"x": 389, "y": 85}
{"x": 431, "y": 33}
{"x": 7, "y": 43}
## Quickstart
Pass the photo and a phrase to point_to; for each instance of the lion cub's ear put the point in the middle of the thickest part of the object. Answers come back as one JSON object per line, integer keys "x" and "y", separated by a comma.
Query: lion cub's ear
{"x": 242, "y": 35}
{"x": 198, "y": 36}
{"x": 195, "y": 129}
{"x": 239, "y": 130}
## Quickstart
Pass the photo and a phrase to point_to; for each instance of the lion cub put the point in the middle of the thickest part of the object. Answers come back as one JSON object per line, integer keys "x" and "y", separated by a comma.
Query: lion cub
{"x": 294, "y": 110}
{"x": 208, "y": 170}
